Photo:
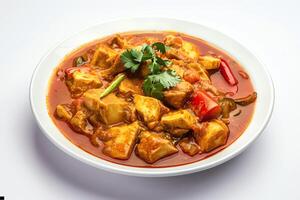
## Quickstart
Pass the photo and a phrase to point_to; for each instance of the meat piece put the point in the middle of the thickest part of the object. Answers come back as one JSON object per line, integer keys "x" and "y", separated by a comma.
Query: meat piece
{"x": 154, "y": 146}
{"x": 104, "y": 57}
{"x": 178, "y": 68}
{"x": 173, "y": 41}
{"x": 111, "y": 109}
{"x": 189, "y": 146}
{"x": 210, "y": 135}
{"x": 150, "y": 109}
{"x": 116, "y": 67}
{"x": 119, "y": 140}
{"x": 202, "y": 73}
{"x": 64, "y": 112}
{"x": 131, "y": 86}
{"x": 178, "y": 95}
{"x": 178, "y": 122}
{"x": 184, "y": 50}
{"x": 190, "y": 50}
{"x": 210, "y": 62}
{"x": 79, "y": 82}
{"x": 80, "y": 124}
{"x": 119, "y": 42}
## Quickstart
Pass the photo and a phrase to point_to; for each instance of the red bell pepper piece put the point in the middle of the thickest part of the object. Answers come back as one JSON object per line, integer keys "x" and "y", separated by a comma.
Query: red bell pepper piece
{"x": 227, "y": 73}
{"x": 204, "y": 106}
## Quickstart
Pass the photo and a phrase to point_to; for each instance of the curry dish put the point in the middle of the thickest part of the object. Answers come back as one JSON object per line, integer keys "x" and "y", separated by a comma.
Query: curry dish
{"x": 151, "y": 99}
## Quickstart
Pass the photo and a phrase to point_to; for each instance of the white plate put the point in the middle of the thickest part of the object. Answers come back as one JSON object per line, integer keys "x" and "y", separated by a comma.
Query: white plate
{"x": 260, "y": 78}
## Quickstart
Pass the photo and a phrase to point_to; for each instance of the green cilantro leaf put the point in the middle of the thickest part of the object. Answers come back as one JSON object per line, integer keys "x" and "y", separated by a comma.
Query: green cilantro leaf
{"x": 155, "y": 84}
{"x": 153, "y": 89}
{"x": 160, "y": 47}
{"x": 130, "y": 59}
{"x": 163, "y": 62}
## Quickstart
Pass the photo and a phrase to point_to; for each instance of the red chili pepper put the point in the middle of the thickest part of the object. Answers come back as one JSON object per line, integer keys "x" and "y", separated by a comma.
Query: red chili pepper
{"x": 227, "y": 73}
{"x": 204, "y": 106}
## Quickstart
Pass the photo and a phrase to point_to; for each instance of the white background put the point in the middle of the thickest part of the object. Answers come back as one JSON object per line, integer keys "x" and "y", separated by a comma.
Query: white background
{"x": 33, "y": 168}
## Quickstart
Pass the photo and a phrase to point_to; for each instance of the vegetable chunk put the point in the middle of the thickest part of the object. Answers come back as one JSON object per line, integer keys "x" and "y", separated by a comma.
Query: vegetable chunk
{"x": 178, "y": 122}
{"x": 210, "y": 135}
{"x": 178, "y": 95}
{"x": 154, "y": 146}
{"x": 112, "y": 109}
{"x": 120, "y": 140}
{"x": 149, "y": 109}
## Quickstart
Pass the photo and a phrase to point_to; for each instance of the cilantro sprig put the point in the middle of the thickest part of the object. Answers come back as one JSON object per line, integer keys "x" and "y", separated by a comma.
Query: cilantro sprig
{"x": 157, "y": 81}
{"x": 155, "y": 84}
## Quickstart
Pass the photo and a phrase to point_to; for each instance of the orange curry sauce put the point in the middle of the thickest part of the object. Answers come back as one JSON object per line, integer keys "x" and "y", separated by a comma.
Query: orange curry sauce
{"x": 58, "y": 93}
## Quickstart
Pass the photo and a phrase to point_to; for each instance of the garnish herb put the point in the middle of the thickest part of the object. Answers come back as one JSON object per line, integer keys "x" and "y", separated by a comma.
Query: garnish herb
{"x": 155, "y": 84}
{"x": 112, "y": 86}
{"x": 158, "y": 80}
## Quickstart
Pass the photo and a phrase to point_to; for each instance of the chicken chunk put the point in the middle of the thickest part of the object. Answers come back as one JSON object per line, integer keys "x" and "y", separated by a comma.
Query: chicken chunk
{"x": 178, "y": 95}
{"x": 131, "y": 86}
{"x": 210, "y": 62}
{"x": 154, "y": 146}
{"x": 190, "y": 50}
{"x": 64, "y": 112}
{"x": 80, "y": 82}
{"x": 210, "y": 135}
{"x": 202, "y": 73}
{"x": 178, "y": 122}
{"x": 150, "y": 109}
{"x": 189, "y": 146}
{"x": 116, "y": 67}
{"x": 80, "y": 123}
{"x": 179, "y": 69}
{"x": 111, "y": 109}
{"x": 173, "y": 41}
{"x": 120, "y": 140}
{"x": 104, "y": 57}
